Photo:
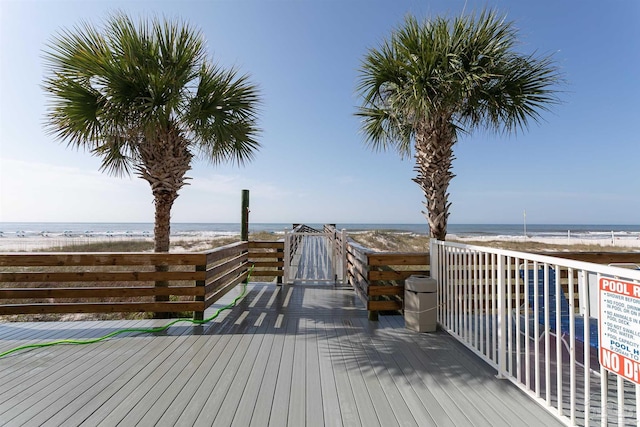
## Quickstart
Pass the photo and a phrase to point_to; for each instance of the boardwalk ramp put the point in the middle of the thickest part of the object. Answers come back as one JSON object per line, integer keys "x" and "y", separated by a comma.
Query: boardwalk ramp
{"x": 314, "y": 256}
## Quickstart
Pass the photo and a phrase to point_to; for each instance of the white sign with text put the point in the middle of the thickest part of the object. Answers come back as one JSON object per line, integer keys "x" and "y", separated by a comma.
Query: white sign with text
{"x": 619, "y": 327}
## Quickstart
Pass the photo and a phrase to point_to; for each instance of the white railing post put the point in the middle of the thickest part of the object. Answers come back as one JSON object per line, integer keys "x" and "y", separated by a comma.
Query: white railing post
{"x": 332, "y": 262}
{"x": 433, "y": 259}
{"x": 434, "y": 273}
{"x": 502, "y": 313}
{"x": 343, "y": 251}
{"x": 287, "y": 257}
{"x": 334, "y": 250}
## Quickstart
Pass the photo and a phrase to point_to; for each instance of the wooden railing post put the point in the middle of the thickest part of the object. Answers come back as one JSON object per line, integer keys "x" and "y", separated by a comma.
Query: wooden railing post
{"x": 247, "y": 265}
{"x": 371, "y": 314}
{"x": 199, "y": 315}
{"x": 279, "y": 278}
{"x": 287, "y": 256}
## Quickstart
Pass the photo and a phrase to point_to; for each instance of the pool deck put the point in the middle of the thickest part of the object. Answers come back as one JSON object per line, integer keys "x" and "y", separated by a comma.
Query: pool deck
{"x": 290, "y": 355}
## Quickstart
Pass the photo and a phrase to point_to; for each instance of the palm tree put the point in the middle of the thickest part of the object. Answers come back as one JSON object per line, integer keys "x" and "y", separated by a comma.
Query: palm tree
{"x": 432, "y": 82}
{"x": 146, "y": 99}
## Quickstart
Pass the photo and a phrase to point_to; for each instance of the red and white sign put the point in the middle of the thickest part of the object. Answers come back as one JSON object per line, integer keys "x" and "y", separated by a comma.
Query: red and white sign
{"x": 619, "y": 327}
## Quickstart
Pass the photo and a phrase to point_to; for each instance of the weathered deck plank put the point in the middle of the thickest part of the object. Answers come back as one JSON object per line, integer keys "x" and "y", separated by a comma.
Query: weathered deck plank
{"x": 297, "y": 397}
{"x": 280, "y": 408}
{"x": 384, "y": 376}
{"x": 296, "y": 355}
{"x": 264, "y": 401}
{"x": 364, "y": 404}
{"x": 330, "y": 403}
{"x": 313, "y": 393}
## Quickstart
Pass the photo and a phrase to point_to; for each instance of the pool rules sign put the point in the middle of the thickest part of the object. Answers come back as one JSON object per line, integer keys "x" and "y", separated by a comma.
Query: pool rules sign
{"x": 620, "y": 328}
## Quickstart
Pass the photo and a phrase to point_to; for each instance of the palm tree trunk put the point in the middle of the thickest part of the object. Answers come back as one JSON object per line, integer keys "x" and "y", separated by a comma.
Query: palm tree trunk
{"x": 434, "y": 157}
{"x": 162, "y": 231}
{"x": 164, "y": 167}
{"x": 162, "y": 226}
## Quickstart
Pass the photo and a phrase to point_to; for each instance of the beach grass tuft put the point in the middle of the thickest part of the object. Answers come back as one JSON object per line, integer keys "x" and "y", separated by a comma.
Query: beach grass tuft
{"x": 384, "y": 241}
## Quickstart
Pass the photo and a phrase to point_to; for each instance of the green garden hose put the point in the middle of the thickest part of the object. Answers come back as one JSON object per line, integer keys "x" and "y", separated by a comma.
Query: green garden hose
{"x": 141, "y": 330}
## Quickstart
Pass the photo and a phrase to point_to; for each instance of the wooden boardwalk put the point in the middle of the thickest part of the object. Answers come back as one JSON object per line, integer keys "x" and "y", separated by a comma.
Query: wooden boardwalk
{"x": 312, "y": 261}
{"x": 302, "y": 355}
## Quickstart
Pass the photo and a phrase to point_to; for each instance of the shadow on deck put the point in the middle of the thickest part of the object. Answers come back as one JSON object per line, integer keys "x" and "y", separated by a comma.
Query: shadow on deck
{"x": 291, "y": 355}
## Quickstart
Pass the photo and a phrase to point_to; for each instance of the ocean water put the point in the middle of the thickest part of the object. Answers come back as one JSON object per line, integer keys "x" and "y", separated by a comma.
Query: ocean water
{"x": 82, "y": 229}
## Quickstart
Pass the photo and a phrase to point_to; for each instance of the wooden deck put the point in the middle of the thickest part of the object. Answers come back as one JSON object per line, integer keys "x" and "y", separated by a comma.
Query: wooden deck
{"x": 285, "y": 356}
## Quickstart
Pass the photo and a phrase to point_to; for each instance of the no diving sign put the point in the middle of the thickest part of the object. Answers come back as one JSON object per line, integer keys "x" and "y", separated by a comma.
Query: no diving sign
{"x": 619, "y": 328}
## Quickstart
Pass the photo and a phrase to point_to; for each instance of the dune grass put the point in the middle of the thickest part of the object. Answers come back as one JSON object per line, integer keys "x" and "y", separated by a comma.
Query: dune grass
{"x": 408, "y": 242}
{"x": 146, "y": 245}
{"x": 104, "y": 246}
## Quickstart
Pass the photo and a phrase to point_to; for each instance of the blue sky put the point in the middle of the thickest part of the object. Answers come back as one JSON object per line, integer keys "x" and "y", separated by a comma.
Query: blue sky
{"x": 580, "y": 165}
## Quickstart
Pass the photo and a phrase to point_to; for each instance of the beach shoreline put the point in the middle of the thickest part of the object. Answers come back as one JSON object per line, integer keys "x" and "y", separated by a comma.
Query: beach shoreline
{"x": 377, "y": 240}
{"x": 40, "y": 243}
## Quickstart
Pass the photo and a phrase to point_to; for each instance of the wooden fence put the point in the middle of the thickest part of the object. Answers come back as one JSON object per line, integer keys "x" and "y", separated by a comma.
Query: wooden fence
{"x": 37, "y": 283}
{"x": 268, "y": 259}
{"x": 378, "y": 277}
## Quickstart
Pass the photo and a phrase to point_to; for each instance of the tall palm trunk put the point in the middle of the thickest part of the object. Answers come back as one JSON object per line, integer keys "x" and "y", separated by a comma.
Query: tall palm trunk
{"x": 162, "y": 230}
{"x": 434, "y": 157}
{"x": 164, "y": 165}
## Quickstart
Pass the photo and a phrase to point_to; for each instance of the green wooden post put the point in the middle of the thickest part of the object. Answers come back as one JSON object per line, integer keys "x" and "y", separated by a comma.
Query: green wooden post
{"x": 244, "y": 214}
{"x": 244, "y": 230}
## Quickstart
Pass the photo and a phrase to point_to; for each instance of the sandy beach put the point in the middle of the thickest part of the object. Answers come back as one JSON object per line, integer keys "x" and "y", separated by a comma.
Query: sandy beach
{"x": 39, "y": 243}
{"x": 381, "y": 241}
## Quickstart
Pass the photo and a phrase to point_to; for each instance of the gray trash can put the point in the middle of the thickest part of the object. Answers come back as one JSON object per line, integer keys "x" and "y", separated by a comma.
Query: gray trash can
{"x": 420, "y": 302}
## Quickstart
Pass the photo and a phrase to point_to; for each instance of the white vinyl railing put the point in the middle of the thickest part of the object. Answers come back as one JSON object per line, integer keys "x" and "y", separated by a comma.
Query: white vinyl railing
{"x": 535, "y": 319}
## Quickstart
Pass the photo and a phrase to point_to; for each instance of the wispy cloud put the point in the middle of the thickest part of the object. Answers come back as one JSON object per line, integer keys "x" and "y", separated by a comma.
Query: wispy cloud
{"x": 231, "y": 185}
{"x": 36, "y": 191}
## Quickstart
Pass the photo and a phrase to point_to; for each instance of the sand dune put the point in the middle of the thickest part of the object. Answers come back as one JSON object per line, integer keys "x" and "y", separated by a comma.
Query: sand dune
{"x": 381, "y": 241}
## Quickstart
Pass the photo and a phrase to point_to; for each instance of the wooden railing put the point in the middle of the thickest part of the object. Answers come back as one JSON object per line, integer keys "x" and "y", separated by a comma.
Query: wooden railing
{"x": 378, "y": 277}
{"x": 124, "y": 282}
{"x": 33, "y": 283}
{"x": 267, "y": 258}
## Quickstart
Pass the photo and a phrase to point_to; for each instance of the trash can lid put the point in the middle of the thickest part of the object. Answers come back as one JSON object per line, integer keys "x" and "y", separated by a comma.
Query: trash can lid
{"x": 420, "y": 283}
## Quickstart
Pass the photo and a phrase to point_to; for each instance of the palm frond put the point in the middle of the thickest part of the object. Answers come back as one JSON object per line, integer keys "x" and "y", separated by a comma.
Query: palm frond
{"x": 223, "y": 115}
{"x": 466, "y": 69}
{"x": 113, "y": 88}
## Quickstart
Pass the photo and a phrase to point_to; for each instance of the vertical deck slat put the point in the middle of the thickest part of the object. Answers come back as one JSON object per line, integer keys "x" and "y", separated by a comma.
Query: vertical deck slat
{"x": 330, "y": 405}
{"x": 313, "y": 394}
{"x": 280, "y": 409}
